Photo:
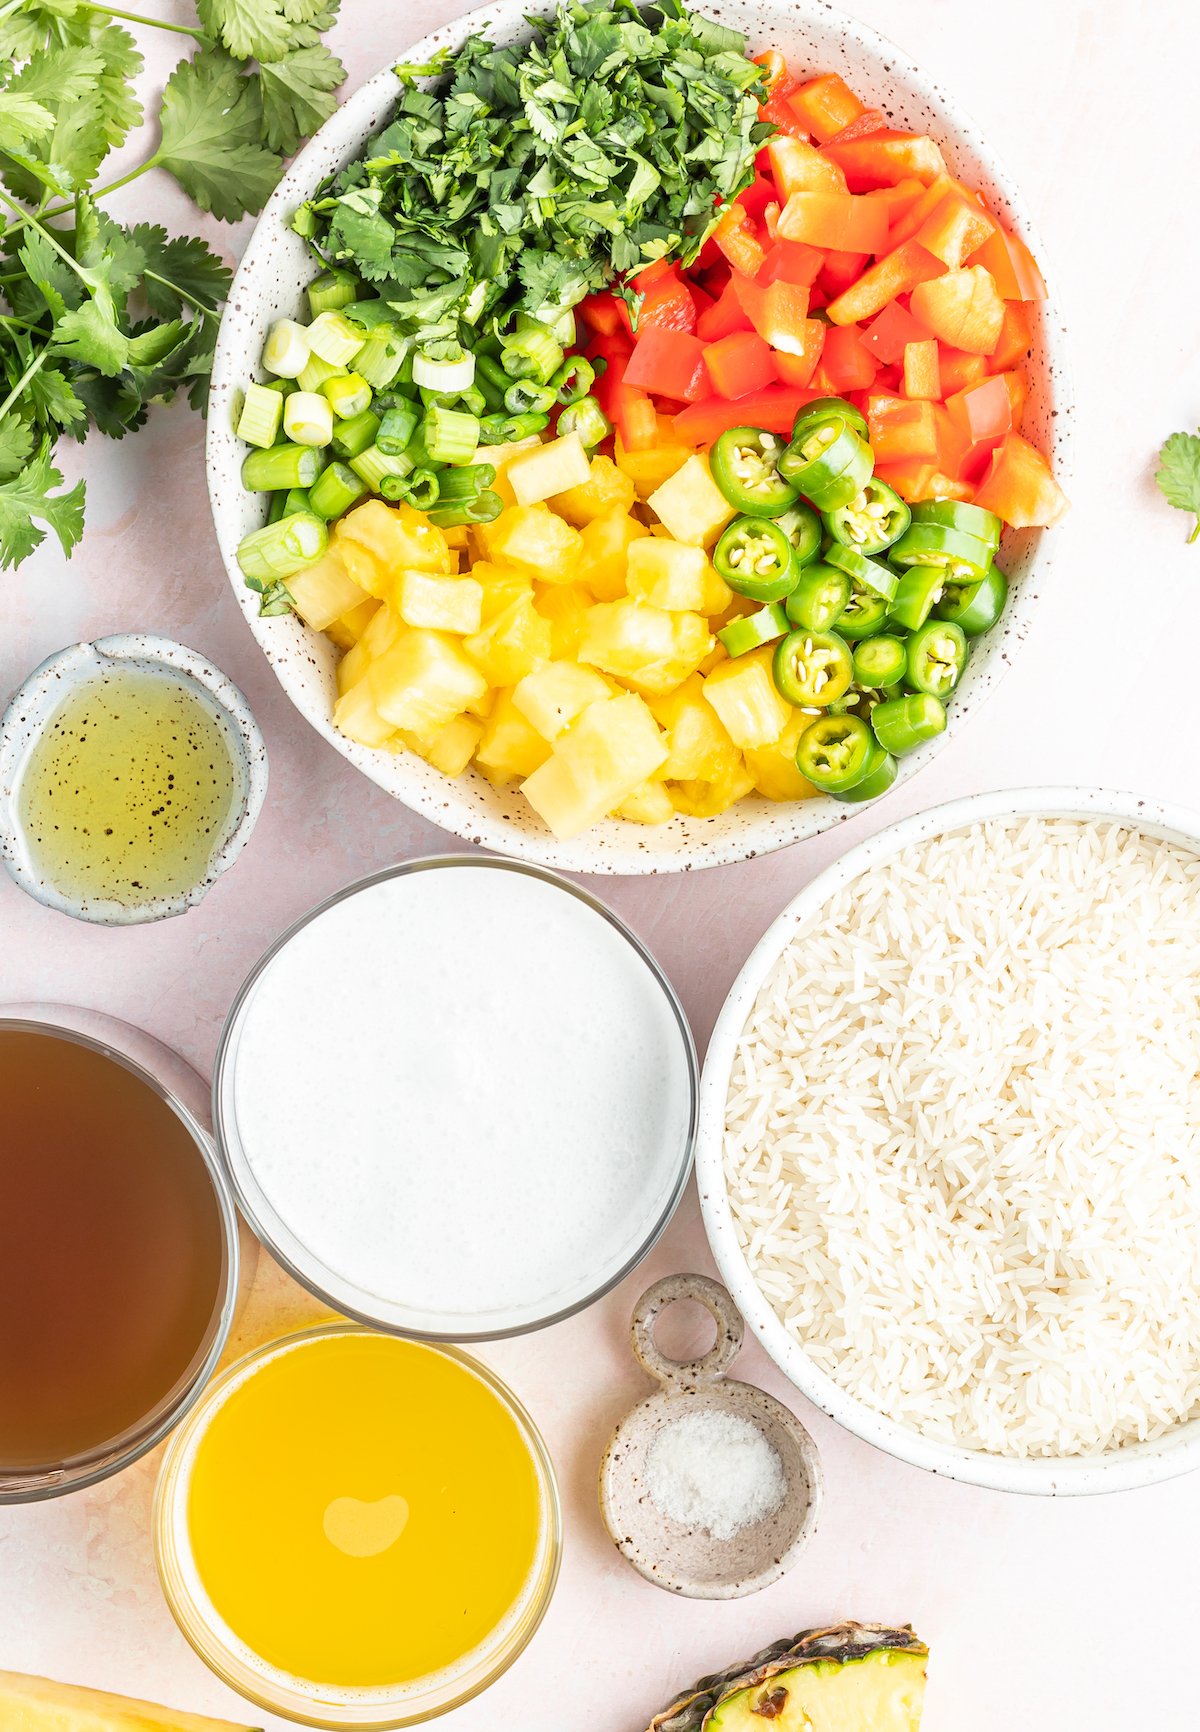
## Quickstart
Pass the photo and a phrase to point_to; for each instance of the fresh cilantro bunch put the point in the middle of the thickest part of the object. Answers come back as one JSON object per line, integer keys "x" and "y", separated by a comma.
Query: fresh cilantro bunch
{"x": 1178, "y": 476}
{"x": 532, "y": 174}
{"x": 98, "y": 320}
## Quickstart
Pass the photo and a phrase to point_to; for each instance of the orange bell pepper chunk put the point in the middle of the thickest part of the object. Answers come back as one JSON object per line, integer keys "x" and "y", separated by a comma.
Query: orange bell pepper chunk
{"x": 792, "y": 262}
{"x": 778, "y": 312}
{"x": 738, "y": 364}
{"x": 1013, "y": 267}
{"x": 825, "y": 105}
{"x": 983, "y": 411}
{"x": 896, "y": 273}
{"x": 921, "y": 369}
{"x": 1016, "y": 338}
{"x": 798, "y": 368}
{"x": 901, "y": 431}
{"x": 885, "y": 158}
{"x": 887, "y": 335}
{"x": 735, "y": 237}
{"x": 1019, "y": 487}
{"x": 911, "y": 480}
{"x": 725, "y": 315}
{"x": 960, "y": 307}
{"x": 773, "y": 408}
{"x": 947, "y": 487}
{"x": 957, "y": 369}
{"x": 798, "y": 166}
{"x": 775, "y": 72}
{"x": 845, "y": 364}
{"x": 839, "y": 271}
{"x": 897, "y": 201}
{"x": 635, "y": 419}
{"x": 869, "y": 121}
{"x": 907, "y": 224}
{"x": 834, "y": 219}
{"x": 955, "y": 229}
{"x": 1017, "y": 387}
{"x": 956, "y": 455}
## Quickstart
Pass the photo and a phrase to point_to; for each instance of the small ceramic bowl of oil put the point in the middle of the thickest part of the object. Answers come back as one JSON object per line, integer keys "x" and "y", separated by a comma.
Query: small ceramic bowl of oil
{"x": 131, "y": 775}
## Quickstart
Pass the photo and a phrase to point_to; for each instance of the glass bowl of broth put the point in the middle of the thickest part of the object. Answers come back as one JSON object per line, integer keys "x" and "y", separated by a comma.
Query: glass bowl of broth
{"x": 120, "y": 1262}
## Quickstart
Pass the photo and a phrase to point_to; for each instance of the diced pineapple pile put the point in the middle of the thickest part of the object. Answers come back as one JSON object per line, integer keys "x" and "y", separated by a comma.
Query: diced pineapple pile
{"x": 568, "y": 646}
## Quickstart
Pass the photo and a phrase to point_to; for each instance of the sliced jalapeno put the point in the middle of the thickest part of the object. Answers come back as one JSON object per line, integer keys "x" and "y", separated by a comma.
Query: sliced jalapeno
{"x": 973, "y": 520}
{"x": 822, "y": 406}
{"x": 802, "y": 527}
{"x": 975, "y": 606}
{"x": 919, "y": 588}
{"x": 903, "y": 724}
{"x": 868, "y": 574}
{"x": 812, "y": 667}
{"x": 937, "y": 655}
{"x": 741, "y": 636}
{"x": 881, "y": 773}
{"x": 745, "y": 466}
{"x": 880, "y": 662}
{"x": 838, "y": 752}
{"x": 830, "y": 464}
{"x": 819, "y": 597}
{"x": 873, "y": 519}
{"x": 754, "y": 556}
{"x": 863, "y": 615}
{"x": 963, "y": 557}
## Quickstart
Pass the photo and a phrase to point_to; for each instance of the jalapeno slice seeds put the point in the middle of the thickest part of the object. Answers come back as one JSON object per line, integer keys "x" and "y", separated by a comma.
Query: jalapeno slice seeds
{"x": 745, "y": 464}
{"x": 937, "y": 655}
{"x": 975, "y": 607}
{"x": 872, "y": 521}
{"x": 754, "y": 557}
{"x": 830, "y": 464}
{"x": 863, "y": 615}
{"x": 813, "y": 668}
{"x": 820, "y": 594}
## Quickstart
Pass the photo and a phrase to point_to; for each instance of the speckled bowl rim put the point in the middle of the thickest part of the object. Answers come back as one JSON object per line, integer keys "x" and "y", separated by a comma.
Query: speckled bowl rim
{"x": 34, "y": 704}
{"x": 1133, "y": 1466}
{"x": 468, "y": 807}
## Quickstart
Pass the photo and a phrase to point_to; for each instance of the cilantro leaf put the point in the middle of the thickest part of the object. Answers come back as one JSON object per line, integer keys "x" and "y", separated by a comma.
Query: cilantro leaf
{"x": 179, "y": 271}
{"x": 91, "y": 334}
{"x": 16, "y": 442}
{"x": 22, "y": 120}
{"x": 211, "y": 127}
{"x": 52, "y": 399}
{"x": 27, "y": 499}
{"x": 1178, "y": 475}
{"x": 249, "y": 29}
{"x": 297, "y": 95}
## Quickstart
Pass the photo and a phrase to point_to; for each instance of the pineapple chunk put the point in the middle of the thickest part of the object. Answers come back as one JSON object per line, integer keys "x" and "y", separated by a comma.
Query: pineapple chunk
{"x": 691, "y": 505}
{"x": 649, "y": 804}
{"x": 442, "y": 603}
{"x": 38, "y": 1705}
{"x": 646, "y": 646}
{"x": 553, "y": 468}
{"x": 605, "y": 490}
{"x": 510, "y": 745}
{"x": 500, "y": 457}
{"x": 566, "y": 606}
{"x": 669, "y": 575}
{"x": 709, "y": 799}
{"x": 355, "y": 623}
{"x": 552, "y": 696}
{"x": 774, "y": 767}
{"x": 423, "y": 682}
{"x": 325, "y": 591}
{"x": 501, "y": 586}
{"x": 452, "y": 749}
{"x": 399, "y": 538}
{"x": 699, "y": 748}
{"x": 533, "y": 538}
{"x": 515, "y": 642}
{"x": 612, "y": 749}
{"x": 743, "y": 694}
{"x": 649, "y": 469}
{"x": 717, "y": 594}
{"x": 355, "y": 715}
{"x": 361, "y": 565}
{"x": 604, "y": 555}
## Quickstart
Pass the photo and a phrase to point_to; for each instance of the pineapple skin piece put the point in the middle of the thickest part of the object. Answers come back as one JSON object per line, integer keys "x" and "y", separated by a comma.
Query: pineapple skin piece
{"x": 29, "y": 1704}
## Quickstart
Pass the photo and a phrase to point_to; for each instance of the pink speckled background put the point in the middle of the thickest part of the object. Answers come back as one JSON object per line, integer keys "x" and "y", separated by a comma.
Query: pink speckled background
{"x": 1076, "y": 1616}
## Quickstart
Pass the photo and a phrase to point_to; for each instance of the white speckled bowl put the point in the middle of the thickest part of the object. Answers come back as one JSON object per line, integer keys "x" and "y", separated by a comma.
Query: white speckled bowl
{"x": 1133, "y": 1465}
{"x": 40, "y": 697}
{"x": 268, "y": 286}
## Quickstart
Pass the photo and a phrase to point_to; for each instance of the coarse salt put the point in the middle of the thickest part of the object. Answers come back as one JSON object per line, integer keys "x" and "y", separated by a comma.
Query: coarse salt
{"x": 714, "y": 1471}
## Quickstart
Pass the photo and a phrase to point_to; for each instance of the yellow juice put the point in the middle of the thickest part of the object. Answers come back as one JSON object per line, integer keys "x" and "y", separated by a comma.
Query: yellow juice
{"x": 362, "y": 1511}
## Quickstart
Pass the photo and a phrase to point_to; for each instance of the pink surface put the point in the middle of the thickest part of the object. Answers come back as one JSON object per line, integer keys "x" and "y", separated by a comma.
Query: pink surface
{"x": 1034, "y": 1610}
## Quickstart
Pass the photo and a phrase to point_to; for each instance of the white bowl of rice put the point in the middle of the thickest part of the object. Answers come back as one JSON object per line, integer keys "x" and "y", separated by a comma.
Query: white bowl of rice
{"x": 949, "y": 1151}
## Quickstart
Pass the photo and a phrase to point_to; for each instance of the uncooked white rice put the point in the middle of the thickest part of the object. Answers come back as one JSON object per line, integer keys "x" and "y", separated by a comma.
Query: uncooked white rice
{"x": 963, "y": 1137}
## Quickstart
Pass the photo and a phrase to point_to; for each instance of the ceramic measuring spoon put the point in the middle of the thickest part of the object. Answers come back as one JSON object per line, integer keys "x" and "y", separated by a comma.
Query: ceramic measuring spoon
{"x": 691, "y": 1560}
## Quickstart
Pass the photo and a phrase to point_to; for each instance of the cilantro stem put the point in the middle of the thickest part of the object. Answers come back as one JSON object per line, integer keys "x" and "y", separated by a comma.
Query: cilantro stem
{"x": 200, "y": 306}
{"x": 137, "y": 18}
{"x": 57, "y": 210}
{"x": 34, "y": 367}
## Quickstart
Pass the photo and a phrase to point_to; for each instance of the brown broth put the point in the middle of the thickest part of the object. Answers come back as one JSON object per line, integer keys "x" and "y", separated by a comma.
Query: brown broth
{"x": 112, "y": 1255}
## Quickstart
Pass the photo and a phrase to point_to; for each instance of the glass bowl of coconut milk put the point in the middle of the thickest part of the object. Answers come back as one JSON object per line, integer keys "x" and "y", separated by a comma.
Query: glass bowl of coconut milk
{"x": 458, "y": 1100}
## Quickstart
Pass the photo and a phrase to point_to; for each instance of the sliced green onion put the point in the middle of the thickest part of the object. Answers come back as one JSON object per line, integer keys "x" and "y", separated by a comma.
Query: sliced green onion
{"x": 559, "y": 321}
{"x": 294, "y": 500}
{"x": 308, "y": 418}
{"x": 491, "y": 380}
{"x": 450, "y": 436}
{"x": 286, "y": 350}
{"x": 352, "y": 437}
{"x": 573, "y": 380}
{"x": 421, "y": 489}
{"x": 531, "y": 353}
{"x": 315, "y": 372}
{"x": 381, "y": 358}
{"x": 335, "y": 490}
{"x": 334, "y": 338}
{"x": 466, "y": 483}
{"x": 397, "y": 428}
{"x": 347, "y": 395}
{"x": 484, "y": 508}
{"x": 587, "y": 420}
{"x": 527, "y": 397}
{"x": 278, "y": 506}
{"x": 472, "y": 401}
{"x": 375, "y": 467}
{"x": 281, "y": 467}
{"x": 284, "y": 548}
{"x": 332, "y": 291}
{"x": 454, "y": 375}
{"x": 262, "y": 413}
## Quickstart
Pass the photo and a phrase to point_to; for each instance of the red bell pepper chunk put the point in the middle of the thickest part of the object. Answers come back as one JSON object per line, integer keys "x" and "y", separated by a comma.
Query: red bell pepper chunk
{"x": 635, "y": 419}
{"x": 825, "y": 105}
{"x": 778, "y": 112}
{"x": 921, "y": 378}
{"x": 755, "y": 198}
{"x": 774, "y": 409}
{"x": 884, "y": 158}
{"x": 665, "y": 302}
{"x": 845, "y": 364}
{"x": 798, "y": 166}
{"x": 601, "y": 312}
{"x": 798, "y": 368}
{"x": 957, "y": 456}
{"x": 839, "y": 271}
{"x": 1016, "y": 338}
{"x": 888, "y": 334}
{"x": 983, "y": 411}
{"x": 961, "y": 308}
{"x": 615, "y": 353}
{"x": 954, "y": 229}
{"x": 1013, "y": 267}
{"x": 869, "y": 121}
{"x": 725, "y": 315}
{"x": 957, "y": 369}
{"x": 834, "y": 219}
{"x": 701, "y": 300}
{"x": 901, "y": 431}
{"x": 776, "y": 76}
{"x": 897, "y": 201}
{"x": 778, "y": 312}
{"x": 912, "y": 480}
{"x": 896, "y": 273}
{"x": 669, "y": 363}
{"x": 791, "y": 262}
{"x": 1019, "y": 487}
{"x": 735, "y": 237}
{"x": 1017, "y": 387}
{"x": 738, "y": 364}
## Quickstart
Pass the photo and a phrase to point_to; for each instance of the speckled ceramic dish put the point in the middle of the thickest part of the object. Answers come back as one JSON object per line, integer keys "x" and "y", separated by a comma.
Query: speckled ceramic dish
{"x": 268, "y": 286}
{"x": 34, "y": 705}
{"x": 685, "y": 1559}
{"x": 1133, "y": 1465}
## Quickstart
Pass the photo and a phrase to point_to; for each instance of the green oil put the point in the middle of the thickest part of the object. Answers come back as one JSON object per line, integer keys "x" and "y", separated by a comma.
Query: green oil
{"x": 130, "y": 790}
